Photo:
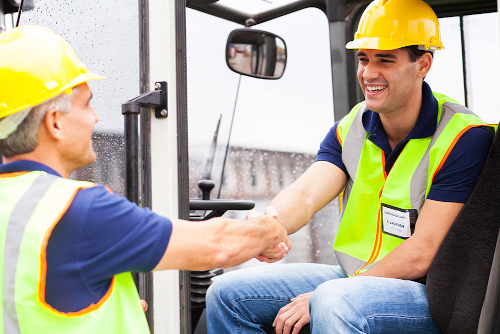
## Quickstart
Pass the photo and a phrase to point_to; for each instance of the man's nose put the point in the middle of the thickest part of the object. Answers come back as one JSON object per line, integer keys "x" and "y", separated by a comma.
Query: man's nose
{"x": 370, "y": 72}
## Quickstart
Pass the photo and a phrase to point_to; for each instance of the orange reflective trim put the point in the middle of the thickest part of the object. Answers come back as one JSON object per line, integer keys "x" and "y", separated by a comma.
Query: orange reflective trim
{"x": 383, "y": 166}
{"x": 341, "y": 196}
{"x": 453, "y": 143}
{"x": 338, "y": 135}
{"x": 6, "y": 175}
{"x": 376, "y": 247}
{"x": 43, "y": 268}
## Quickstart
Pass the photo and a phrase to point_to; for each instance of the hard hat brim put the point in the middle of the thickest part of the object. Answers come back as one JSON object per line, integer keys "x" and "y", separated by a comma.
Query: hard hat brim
{"x": 376, "y": 43}
{"x": 84, "y": 77}
{"x": 80, "y": 79}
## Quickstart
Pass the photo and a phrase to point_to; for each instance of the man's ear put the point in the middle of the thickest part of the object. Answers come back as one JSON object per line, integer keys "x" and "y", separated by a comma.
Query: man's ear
{"x": 53, "y": 123}
{"x": 424, "y": 64}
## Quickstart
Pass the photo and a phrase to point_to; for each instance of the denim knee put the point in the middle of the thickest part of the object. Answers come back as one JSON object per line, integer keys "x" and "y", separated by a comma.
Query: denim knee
{"x": 226, "y": 288}
{"x": 218, "y": 291}
{"x": 328, "y": 298}
{"x": 330, "y": 307}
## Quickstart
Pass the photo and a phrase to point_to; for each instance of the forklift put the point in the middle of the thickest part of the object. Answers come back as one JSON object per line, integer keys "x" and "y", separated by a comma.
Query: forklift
{"x": 154, "y": 137}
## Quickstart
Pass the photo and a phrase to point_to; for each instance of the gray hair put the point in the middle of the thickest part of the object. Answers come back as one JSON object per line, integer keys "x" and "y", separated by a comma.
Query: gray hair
{"x": 25, "y": 138}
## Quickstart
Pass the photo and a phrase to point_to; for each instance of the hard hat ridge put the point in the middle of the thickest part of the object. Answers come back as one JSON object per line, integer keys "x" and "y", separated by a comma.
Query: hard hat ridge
{"x": 393, "y": 24}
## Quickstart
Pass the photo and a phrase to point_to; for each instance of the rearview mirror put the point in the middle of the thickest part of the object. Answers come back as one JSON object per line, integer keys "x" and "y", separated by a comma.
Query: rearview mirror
{"x": 256, "y": 53}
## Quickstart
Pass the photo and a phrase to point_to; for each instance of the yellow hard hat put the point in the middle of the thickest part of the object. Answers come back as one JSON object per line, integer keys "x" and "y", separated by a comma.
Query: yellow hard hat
{"x": 35, "y": 66}
{"x": 393, "y": 24}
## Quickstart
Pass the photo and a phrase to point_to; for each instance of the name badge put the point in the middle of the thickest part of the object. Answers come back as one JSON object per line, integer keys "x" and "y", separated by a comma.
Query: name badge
{"x": 398, "y": 222}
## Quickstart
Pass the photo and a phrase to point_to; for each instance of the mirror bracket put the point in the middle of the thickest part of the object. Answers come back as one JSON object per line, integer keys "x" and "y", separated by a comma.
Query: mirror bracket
{"x": 156, "y": 99}
{"x": 250, "y": 22}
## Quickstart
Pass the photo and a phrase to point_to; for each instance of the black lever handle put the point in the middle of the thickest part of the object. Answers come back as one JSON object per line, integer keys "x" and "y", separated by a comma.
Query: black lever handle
{"x": 206, "y": 187}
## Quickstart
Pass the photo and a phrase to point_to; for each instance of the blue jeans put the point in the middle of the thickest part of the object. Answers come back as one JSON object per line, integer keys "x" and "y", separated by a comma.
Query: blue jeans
{"x": 243, "y": 300}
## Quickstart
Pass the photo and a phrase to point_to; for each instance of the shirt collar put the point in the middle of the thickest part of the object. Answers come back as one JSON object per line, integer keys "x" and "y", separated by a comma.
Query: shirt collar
{"x": 425, "y": 126}
{"x": 26, "y": 166}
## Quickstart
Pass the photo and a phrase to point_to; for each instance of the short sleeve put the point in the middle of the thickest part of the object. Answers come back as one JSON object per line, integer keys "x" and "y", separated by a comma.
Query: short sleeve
{"x": 456, "y": 179}
{"x": 118, "y": 236}
{"x": 330, "y": 149}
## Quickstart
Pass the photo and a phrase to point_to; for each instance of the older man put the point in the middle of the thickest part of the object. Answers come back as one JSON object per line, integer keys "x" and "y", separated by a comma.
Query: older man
{"x": 406, "y": 160}
{"x": 68, "y": 246}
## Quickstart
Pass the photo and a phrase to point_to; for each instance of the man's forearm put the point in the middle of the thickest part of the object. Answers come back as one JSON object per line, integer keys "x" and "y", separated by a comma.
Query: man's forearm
{"x": 219, "y": 242}
{"x": 294, "y": 213}
{"x": 319, "y": 185}
{"x": 407, "y": 261}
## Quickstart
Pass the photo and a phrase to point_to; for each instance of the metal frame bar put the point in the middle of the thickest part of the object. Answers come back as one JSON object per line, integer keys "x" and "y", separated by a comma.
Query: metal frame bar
{"x": 164, "y": 34}
{"x": 441, "y": 8}
{"x": 247, "y": 19}
{"x": 145, "y": 281}
{"x": 464, "y": 60}
{"x": 2, "y": 17}
{"x": 183, "y": 156}
{"x": 462, "y": 9}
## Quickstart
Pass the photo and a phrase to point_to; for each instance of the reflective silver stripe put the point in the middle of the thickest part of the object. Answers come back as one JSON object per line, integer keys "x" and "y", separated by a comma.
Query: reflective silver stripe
{"x": 345, "y": 197}
{"x": 355, "y": 140}
{"x": 15, "y": 230}
{"x": 419, "y": 179}
{"x": 458, "y": 108}
{"x": 350, "y": 264}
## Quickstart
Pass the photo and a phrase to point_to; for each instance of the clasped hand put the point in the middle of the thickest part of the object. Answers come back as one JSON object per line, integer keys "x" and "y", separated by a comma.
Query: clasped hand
{"x": 277, "y": 252}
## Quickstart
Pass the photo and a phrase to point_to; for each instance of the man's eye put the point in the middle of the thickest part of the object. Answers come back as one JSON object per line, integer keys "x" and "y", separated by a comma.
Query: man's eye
{"x": 386, "y": 61}
{"x": 362, "y": 60}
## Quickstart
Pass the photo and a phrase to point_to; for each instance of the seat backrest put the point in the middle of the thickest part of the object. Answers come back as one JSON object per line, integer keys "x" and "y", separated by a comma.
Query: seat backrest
{"x": 458, "y": 276}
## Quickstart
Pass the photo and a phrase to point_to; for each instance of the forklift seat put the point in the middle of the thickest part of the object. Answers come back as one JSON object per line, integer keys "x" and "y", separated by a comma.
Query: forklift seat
{"x": 462, "y": 284}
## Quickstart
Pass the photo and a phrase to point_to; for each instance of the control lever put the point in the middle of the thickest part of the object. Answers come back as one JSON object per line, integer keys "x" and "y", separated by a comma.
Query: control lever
{"x": 206, "y": 187}
{"x": 217, "y": 206}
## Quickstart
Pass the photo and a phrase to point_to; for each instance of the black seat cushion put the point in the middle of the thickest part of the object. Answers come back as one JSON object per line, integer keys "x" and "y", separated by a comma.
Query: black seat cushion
{"x": 458, "y": 276}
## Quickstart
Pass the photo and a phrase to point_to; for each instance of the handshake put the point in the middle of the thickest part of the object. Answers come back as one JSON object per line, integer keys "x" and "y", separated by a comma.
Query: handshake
{"x": 280, "y": 244}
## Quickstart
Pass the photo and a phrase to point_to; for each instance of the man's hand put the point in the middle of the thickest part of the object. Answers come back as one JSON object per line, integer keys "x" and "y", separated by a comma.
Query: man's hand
{"x": 295, "y": 314}
{"x": 277, "y": 252}
{"x": 274, "y": 253}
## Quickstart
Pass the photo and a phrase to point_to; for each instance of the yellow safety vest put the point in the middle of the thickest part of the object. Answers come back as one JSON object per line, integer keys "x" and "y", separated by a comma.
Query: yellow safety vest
{"x": 361, "y": 239}
{"x": 31, "y": 204}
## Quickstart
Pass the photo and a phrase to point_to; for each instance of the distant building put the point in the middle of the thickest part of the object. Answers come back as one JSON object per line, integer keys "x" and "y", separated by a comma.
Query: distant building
{"x": 259, "y": 175}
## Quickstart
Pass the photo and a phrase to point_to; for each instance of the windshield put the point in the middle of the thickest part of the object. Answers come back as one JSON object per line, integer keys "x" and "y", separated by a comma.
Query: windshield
{"x": 278, "y": 124}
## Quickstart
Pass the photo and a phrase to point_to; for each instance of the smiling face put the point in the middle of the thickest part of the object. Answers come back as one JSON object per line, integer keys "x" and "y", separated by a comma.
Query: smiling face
{"x": 78, "y": 126}
{"x": 389, "y": 80}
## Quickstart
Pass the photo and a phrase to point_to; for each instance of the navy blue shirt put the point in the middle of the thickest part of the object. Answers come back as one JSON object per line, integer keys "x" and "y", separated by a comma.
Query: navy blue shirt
{"x": 100, "y": 235}
{"x": 458, "y": 175}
